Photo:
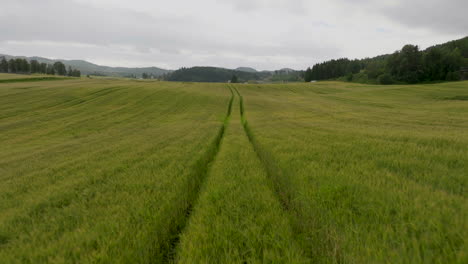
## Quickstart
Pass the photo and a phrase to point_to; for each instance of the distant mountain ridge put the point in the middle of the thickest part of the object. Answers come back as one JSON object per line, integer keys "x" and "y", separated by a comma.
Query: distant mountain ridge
{"x": 90, "y": 68}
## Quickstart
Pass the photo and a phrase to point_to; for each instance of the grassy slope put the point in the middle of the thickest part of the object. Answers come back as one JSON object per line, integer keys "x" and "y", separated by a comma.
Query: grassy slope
{"x": 101, "y": 171}
{"x": 372, "y": 174}
{"x": 237, "y": 218}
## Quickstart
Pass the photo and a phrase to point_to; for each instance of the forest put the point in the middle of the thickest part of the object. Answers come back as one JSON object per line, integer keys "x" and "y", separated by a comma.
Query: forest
{"x": 408, "y": 65}
{"x": 211, "y": 74}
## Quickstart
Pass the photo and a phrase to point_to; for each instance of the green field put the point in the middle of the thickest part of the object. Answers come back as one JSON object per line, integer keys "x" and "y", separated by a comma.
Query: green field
{"x": 126, "y": 171}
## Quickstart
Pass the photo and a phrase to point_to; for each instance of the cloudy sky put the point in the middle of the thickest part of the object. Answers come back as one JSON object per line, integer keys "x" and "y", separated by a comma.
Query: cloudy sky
{"x": 264, "y": 34}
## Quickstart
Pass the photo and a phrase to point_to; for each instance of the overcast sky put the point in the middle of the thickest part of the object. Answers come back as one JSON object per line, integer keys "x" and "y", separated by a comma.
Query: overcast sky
{"x": 264, "y": 34}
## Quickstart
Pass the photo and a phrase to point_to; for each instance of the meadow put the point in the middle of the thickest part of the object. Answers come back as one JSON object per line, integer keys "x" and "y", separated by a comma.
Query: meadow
{"x": 127, "y": 171}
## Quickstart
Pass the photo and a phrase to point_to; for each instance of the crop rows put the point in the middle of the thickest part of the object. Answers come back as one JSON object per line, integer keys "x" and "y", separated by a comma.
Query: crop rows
{"x": 369, "y": 174}
{"x": 109, "y": 179}
{"x": 121, "y": 171}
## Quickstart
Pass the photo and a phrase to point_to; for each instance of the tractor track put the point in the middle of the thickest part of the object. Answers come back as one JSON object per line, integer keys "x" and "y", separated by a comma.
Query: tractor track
{"x": 273, "y": 172}
{"x": 284, "y": 189}
{"x": 194, "y": 184}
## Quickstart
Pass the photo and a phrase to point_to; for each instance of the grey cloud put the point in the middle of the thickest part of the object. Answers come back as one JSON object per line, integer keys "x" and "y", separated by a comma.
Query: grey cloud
{"x": 68, "y": 21}
{"x": 267, "y": 34}
{"x": 441, "y": 16}
{"x": 293, "y": 6}
{"x": 449, "y": 16}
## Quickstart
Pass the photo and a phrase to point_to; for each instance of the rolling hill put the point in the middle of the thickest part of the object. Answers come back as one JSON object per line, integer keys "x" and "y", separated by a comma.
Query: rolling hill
{"x": 213, "y": 74}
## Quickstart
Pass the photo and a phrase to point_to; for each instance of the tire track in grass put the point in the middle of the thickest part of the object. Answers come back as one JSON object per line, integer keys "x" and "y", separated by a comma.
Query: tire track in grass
{"x": 278, "y": 182}
{"x": 193, "y": 186}
{"x": 323, "y": 251}
{"x": 237, "y": 217}
{"x": 285, "y": 198}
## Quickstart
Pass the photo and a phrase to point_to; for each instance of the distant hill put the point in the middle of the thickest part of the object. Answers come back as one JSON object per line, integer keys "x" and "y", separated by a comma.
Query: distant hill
{"x": 94, "y": 69}
{"x": 246, "y": 69}
{"x": 287, "y": 70}
{"x": 213, "y": 74}
{"x": 193, "y": 74}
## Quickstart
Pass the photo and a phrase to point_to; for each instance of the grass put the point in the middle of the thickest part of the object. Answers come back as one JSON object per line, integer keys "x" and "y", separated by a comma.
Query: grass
{"x": 123, "y": 171}
{"x": 101, "y": 171}
{"x": 13, "y": 78}
{"x": 370, "y": 174}
{"x": 237, "y": 218}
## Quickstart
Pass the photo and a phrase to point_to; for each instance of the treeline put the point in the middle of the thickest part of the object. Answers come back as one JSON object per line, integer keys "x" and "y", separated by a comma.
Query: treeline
{"x": 214, "y": 74}
{"x": 333, "y": 69}
{"x": 210, "y": 74}
{"x": 408, "y": 65}
{"x": 24, "y": 66}
{"x": 287, "y": 76}
{"x": 148, "y": 76}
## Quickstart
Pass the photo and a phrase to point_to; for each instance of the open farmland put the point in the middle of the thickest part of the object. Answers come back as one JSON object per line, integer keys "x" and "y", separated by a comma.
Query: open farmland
{"x": 101, "y": 171}
{"x": 121, "y": 171}
{"x": 368, "y": 174}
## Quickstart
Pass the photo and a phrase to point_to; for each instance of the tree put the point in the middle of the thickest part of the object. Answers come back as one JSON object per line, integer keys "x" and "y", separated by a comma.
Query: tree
{"x": 76, "y": 73}
{"x": 12, "y": 66}
{"x": 43, "y": 68}
{"x": 432, "y": 65}
{"x": 3, "y": 65}
{"x": 25, "y": 66}
{"x": 145, "y": 75}
{"x": 353, "y": 67}
{"x": 234, "y": 79}
{"x": 59, "y": 68}
{"x": 70, "y": 71}
{"x": 408, "y": 65}
{"x": 50, "y": 69}
{"x": 19, "y": 65}
{"x": 385, "y": 79}
{"x": 453, "y": 60}
{"x": 405, "y": 65}
{"x": 35, "y": 66}
{"x": 453, "y": 76}
{"x": 375, "y": 68}
{"x": 308, "y": 76}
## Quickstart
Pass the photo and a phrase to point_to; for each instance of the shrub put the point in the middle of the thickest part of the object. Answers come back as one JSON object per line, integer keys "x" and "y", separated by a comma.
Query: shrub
{"x": 385, "y": 79}
{"x": 453, "y": 76}
{"x": 360, "y": 77}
